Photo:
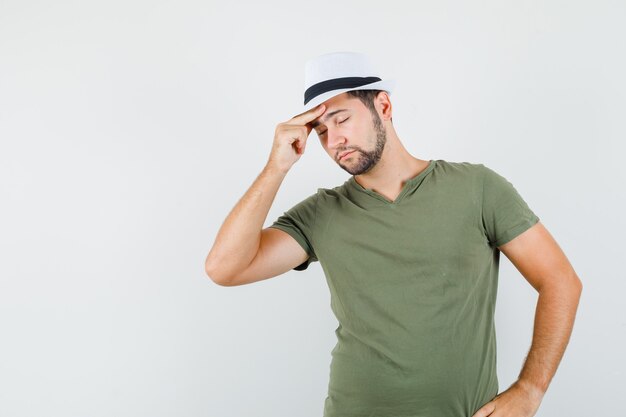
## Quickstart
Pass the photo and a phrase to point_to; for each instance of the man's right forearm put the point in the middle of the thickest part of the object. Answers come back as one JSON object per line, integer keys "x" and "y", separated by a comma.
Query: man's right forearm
{"x": 239, "y": 237}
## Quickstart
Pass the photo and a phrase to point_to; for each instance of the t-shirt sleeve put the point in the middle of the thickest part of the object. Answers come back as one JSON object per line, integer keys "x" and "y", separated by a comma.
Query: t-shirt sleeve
{"x": 299, "y": 222}
{"x": 505, "y": 214}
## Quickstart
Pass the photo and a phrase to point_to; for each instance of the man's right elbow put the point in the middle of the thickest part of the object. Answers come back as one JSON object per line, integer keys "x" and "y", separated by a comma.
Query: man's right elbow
{"x": 216, "y": 276}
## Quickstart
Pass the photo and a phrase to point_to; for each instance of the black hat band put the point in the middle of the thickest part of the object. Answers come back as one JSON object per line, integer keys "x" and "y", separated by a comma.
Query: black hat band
{"x": 336, "y": 84}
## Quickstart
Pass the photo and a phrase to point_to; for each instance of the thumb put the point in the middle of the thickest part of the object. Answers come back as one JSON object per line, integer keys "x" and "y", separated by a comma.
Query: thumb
{"x": 486, "y": 410}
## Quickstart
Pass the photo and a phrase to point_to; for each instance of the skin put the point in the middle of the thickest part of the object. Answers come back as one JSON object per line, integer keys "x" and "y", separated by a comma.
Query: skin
{"x": 379, "y": 161}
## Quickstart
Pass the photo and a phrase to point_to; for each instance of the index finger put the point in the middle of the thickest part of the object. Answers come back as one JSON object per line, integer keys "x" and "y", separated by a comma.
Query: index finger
{"x": 308, "y": 116}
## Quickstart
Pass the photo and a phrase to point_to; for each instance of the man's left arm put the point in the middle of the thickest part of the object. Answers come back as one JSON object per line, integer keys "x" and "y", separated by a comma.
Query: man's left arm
{"x": 541, "y": 261}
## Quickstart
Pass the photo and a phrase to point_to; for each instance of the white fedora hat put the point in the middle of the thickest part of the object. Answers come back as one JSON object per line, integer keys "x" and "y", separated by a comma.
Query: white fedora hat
{"x": 328, "y": 75}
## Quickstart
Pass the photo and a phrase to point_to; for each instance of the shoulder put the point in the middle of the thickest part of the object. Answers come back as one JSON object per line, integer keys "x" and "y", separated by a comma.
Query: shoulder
{"x": 333, "y": 193}
{"x": 459, "y": 166}
{"x": 460, "y": 171}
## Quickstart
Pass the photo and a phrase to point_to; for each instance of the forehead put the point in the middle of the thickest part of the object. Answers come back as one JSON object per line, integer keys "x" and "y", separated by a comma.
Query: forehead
{"x": 328, "y": 115}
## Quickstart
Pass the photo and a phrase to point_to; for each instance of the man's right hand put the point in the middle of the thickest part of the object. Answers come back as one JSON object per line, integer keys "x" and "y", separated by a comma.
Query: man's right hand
{"x": 290, "y": 139}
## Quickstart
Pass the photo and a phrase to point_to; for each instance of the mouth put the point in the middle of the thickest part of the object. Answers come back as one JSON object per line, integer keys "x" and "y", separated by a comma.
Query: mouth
{"x": 343, "y": 155}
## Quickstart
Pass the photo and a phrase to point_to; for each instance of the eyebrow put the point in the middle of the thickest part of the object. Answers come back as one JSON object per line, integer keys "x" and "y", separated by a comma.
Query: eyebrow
{"x": 316, "y": 123}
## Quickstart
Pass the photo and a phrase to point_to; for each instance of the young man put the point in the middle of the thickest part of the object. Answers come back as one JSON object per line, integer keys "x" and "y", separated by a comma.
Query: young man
{"x": 410, "y": 250}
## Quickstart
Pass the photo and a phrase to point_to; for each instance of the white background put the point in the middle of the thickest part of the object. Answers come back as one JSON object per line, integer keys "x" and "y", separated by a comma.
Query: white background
{"x": 129, "y": 129}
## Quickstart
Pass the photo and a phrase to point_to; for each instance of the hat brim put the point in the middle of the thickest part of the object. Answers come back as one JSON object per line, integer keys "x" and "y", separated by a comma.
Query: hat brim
{"x": 387, "y": 85}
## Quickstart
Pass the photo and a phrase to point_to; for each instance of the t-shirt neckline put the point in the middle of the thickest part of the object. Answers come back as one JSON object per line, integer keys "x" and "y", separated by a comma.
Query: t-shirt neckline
{"x": 408, "y": 185}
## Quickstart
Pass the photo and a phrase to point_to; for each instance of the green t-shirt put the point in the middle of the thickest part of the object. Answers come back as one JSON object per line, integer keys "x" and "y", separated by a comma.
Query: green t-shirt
{"x": 413, "y": 285}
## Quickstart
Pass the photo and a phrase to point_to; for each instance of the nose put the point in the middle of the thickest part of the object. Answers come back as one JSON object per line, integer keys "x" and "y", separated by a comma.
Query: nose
{"x": 334, "y": 138}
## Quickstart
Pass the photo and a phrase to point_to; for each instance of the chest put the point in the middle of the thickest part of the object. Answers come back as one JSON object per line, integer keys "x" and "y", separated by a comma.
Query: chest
{"x": 426, "y": 228}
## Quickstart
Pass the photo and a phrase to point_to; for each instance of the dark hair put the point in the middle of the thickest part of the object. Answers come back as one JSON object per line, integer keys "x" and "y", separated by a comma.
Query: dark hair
{"x": 367, "y": 97}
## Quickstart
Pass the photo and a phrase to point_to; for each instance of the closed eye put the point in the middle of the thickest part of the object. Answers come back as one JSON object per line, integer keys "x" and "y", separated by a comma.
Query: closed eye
{"x": 320, "y": 134}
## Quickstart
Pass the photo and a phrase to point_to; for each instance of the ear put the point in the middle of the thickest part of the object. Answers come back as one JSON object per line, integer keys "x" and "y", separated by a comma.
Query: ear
{"x": 383, "y": 105}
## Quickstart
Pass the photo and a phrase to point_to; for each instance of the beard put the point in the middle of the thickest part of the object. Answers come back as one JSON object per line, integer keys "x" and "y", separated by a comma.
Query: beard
{"x": 366, "y": 160}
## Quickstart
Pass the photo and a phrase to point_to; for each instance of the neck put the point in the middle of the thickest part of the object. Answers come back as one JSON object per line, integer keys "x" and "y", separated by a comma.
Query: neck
{"x": 395, "y": 167}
